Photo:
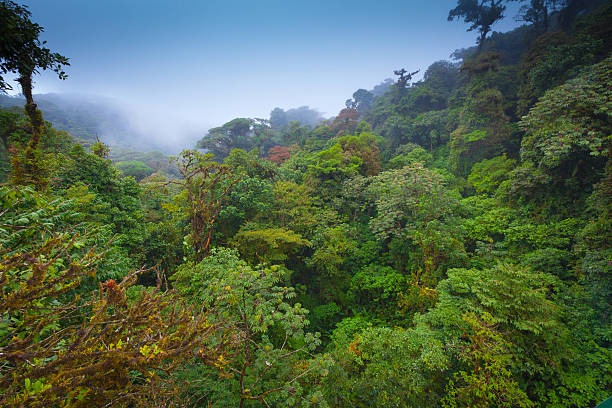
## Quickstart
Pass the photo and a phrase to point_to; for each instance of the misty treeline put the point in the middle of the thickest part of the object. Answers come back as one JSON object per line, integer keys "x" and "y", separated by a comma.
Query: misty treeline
{"x": 438, "y": 243}
{"x": 88, "y": 118}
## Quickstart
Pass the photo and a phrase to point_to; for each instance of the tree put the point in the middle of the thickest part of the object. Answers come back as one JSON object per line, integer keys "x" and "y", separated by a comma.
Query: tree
{"x": 483, "y": 127}
{"x": 332, "y": 247}
{"x": 273, "y": 245}
{"x": 482, "y": 14}
{"x": 538, "y": 74}
{"x": 269, "y": 362}
{"x": 278, "y": 118}
{"x": 408, "y": 154}
{"x": 403, "y": 77}
{"x": 348, "y": 156}
{"x": 490, "y": 383}
{"x": 279, "y": 154}
{"x": 305, "y": 115}
{"x": 250, "y": 200}
{"x": 295, "y": 133}
{"x": 8, "y": 125}
{"x": 118, "y": 197}
{"x": 100, "y": 149}
{"x": 22, "y": 53}
{"x": 375, "y": 288}
{"x": 249, "y": 164}
{"x": 573, "y": 8}
{"x": 346, "y": 121}
{"x": 415, "y": 217}
{"x": 538, "y": 13}
{"x": 442, "y": 76}
{"x": 488, "y": 174}
{"x": 384, "y": 367}
{"x": 204, "y": 189}
{"x": 362, "y": 101}
{"x": 521, "y": 306}
{"x": 235, "y": 134}
{"x": 294, "y": 207}
{"x": 135, "y": 168}
{"x": 9, "y": 122}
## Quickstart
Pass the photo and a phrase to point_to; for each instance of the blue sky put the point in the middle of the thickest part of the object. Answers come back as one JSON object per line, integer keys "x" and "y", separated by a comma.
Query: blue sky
{"x": 201, "y": 63}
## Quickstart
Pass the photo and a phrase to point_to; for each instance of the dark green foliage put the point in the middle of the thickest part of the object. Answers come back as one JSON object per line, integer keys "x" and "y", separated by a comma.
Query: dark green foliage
{"x": 567, "y": 142}
{"x": 251, "y": 199}
{"x": 118, "y": 197}
{"x": 481, "y": 14}
{"x": 488, "y": 174}
{"x": 483, "y": 126}
{"x": 236, "y": 134}
{"x": 540, "y": 339}
{"x": 362, "y": 101}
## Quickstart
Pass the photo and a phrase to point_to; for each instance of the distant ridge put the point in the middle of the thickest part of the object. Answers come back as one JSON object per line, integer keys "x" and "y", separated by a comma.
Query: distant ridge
{"x": 87, "y": 117}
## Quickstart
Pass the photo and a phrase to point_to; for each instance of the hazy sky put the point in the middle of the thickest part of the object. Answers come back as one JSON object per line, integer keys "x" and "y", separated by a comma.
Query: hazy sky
{"x": 198, "y": 63}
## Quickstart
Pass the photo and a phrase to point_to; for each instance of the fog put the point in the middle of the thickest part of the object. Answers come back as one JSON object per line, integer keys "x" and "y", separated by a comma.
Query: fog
{"x": 162, "y": 128}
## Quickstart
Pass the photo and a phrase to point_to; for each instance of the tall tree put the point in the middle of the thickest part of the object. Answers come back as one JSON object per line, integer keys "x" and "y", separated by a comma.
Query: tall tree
{"x": 235, "y": 134}
{"x": 278, "y": 118}
{"x": 482, "y": 14}
{"x": 205, "y": 186}
{"x": 538, "y": 12}
{"x": 362, "y": 101}
{"x": 403, "y": 77}
{"x": 490, "y": 382}
{"x": 22, "y": 53}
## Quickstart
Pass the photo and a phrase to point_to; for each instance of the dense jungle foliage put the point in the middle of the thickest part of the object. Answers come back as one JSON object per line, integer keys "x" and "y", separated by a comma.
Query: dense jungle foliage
{"x": 439, "y": 243}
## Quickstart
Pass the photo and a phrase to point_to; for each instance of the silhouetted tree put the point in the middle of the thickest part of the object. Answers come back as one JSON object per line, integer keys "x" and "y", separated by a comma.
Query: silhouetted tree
{"x": 363, "y": 100}
{"x": 403, "y": 77}
{"x": 482, "y": 14}
{"x": 538, "y": 12}
{"x": 278, "y": 118}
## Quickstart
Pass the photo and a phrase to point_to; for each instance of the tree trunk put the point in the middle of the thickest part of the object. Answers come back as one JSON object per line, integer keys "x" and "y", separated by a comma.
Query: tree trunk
{"x": 32, "y": 111}
{"x": 31, "y": 172}
{"x": 483, "y": 35}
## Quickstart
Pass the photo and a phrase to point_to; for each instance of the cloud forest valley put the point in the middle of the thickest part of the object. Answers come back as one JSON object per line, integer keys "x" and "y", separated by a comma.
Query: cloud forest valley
{"x": 443, "y": 240}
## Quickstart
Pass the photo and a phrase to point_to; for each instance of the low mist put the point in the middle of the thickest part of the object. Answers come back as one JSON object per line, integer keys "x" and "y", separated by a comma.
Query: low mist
{"x": 132, "y": 126}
